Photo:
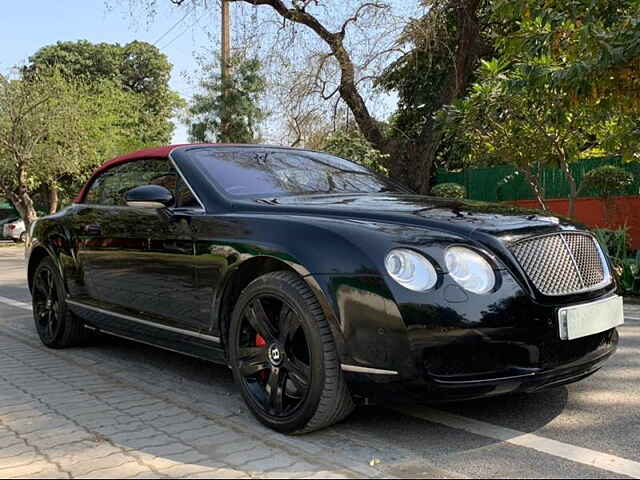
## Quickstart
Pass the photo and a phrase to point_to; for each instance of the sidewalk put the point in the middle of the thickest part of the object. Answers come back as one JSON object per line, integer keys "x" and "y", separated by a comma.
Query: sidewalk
{"x": 78, "y": 414}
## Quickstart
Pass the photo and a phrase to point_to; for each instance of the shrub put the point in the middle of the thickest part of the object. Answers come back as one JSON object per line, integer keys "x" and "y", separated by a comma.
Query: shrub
{"x": 627, "y": 269}
{"x": 614, "y": 242}
{"x": 607, "y": 181}
{"x": 449, "y": 190}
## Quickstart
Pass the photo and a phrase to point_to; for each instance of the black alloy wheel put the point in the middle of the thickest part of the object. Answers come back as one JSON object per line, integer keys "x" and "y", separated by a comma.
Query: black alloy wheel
{"x": 46, "y": 305}
{"x": 283, "y": 356}
{"x": 56, "y": 326}
{"x": 273, "y": 355}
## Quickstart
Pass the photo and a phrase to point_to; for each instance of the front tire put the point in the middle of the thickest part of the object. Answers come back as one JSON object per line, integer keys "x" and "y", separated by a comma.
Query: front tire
{"x": 57, "y": 327}
{"x": 284, "y": 358}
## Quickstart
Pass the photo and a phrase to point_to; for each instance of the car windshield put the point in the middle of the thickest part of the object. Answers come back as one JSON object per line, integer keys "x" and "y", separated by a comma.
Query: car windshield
{"x": 256, "y": 172}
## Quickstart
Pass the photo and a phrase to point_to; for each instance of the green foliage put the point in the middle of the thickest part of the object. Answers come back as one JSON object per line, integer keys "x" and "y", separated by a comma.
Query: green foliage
{"x": 137, "y": 68}
{"x": 418, "y": 78}
{"x": 614, "y": 242}
{"x": 228, "y": 110}
{"x": 449, "y": 190}
{"x": 627, "y": 269}
{"x": 41, "y": 118}
{"x": 54, "y": 131}
{"x": 350, "y": 144}
{"x": 591, "y": 48}
{"x": 607, "y": 181}
{"x": 587, "y": 52}
{"x": 122, "y": 102}
{"x": 516, "y": 125}
{"x": 628, "y": 272}
{"x": 564, "y": 84}
{"x": 508, "y": 126}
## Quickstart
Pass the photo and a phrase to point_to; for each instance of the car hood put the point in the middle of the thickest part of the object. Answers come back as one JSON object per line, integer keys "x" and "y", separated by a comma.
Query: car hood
{"x": 461, "y": 216}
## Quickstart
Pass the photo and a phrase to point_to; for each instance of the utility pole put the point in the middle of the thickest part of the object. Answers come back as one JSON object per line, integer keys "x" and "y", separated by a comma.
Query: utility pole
{"x": 226, "y": 39}
{"x": 225, "y": 59}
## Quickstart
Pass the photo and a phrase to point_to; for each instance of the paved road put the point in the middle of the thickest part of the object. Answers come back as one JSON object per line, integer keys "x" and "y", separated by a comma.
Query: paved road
{"x": 116, "y": 409}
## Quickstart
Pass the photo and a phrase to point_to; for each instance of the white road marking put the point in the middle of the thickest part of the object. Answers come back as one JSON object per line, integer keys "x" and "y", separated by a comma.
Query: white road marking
{"x": 592, "y": 458}
{"x": 15, "y": 303}
{"x": 635, "y": 319}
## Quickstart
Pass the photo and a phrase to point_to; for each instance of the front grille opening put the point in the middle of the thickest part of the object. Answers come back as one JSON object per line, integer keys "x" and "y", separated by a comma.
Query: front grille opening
{"x": 461, "y": 360}
{"x": 562, "y": 263}
{"x": 560, "y": 352}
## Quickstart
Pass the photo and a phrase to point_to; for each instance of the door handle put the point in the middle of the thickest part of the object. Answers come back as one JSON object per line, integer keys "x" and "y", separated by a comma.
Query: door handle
{"x": 93, "y": 230}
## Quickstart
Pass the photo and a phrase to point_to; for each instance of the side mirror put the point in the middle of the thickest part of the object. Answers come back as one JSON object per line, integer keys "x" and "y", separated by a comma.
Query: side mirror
{"x": 149, "y": 196}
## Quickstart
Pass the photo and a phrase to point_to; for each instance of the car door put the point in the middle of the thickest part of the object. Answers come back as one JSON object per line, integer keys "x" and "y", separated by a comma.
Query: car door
{"x": 138, "y": 261}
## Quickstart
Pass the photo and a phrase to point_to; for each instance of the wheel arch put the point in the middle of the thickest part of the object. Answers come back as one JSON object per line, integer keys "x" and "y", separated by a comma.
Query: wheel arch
{"x": 39, "y": 253}
{"x": 255, "y": 267}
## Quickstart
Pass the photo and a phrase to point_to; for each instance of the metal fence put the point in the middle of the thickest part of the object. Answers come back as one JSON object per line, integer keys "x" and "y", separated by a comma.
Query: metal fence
{"x": 497, "y": 184}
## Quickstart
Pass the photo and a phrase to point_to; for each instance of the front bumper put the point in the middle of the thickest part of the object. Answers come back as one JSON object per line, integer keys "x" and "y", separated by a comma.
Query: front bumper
{"x": 447, "y": 345}
{"x": 435, "y": 389}
{"x": 438, "y": 348}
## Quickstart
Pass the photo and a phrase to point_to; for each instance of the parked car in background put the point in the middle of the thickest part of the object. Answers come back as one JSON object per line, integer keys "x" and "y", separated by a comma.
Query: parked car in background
{"x": 320, "y": 283}
{"x": 14, "y": 230}
{"x": 4, "y": 222}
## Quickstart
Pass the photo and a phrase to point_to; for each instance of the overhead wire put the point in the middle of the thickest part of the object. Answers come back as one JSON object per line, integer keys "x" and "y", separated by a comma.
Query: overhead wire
{"x": 189, "y": 27}
{"x": 189, "y": 12}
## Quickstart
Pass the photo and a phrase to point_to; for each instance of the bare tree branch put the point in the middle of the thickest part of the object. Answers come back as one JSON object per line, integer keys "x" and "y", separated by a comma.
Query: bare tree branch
{"x": 356, "y": 16}
{"x": 347, "y": 87}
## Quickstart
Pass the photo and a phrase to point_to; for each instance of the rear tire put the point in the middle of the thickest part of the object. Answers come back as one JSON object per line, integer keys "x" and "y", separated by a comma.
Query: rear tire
{"x": 57, "y": 327}
{"x": 279, "y": 337}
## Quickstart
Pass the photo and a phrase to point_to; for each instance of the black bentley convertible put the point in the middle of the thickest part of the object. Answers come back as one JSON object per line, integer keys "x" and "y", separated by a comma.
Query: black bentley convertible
{"x": 320, "y": 283}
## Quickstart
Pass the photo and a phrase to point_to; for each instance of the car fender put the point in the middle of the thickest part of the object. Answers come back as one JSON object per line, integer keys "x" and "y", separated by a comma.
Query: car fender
{"x": 341, "y": 261}
{"x": 48, "y": 236}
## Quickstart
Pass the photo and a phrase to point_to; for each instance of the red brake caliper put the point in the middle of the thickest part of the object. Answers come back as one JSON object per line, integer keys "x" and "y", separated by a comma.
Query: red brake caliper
{"x": 261, "y": 342}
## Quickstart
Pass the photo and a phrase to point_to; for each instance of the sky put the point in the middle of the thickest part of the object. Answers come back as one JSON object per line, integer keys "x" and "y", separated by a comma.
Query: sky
{"x": 29, "y": 25}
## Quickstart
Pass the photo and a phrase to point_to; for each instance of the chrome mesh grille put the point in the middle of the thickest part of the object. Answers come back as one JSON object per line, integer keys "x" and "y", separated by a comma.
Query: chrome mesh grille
{"x": 562, "y": 263}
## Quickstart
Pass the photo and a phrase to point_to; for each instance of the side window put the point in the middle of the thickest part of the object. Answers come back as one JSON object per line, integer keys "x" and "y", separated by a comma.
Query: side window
{"x": 111, "y": 187}
{"x": 184, "y": 196}
{"x": 94, "y": 195}
{"x": 110, "y": 192}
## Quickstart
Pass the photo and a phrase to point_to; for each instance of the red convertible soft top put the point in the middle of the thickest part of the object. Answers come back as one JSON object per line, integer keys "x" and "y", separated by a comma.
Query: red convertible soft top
{"x": 156, "y": 152}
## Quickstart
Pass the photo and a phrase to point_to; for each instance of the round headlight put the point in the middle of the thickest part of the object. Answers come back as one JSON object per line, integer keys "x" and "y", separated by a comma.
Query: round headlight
{"x": 411, "y": 270}
{"x": 470, "y": 270}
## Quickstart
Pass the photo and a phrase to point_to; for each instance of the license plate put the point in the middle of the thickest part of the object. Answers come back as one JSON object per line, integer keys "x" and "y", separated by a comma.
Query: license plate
{"x": 583, "y": 320}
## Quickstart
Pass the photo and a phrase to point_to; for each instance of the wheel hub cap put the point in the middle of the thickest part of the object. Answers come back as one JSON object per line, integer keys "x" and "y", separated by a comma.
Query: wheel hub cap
{"x": 275, "y": 355}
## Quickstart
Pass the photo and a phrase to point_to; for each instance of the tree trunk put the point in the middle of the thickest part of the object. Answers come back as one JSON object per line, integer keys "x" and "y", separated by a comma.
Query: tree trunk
{"x": 534, "y": 183}
{"x": 468, "y": 43}
{"x": 424, "y": 151}
{"x": 573, "y": 188}
{"x": 24, "y": 205}
{"x": 52, "y": 197}
{"x": 22, "y": 200}
{"x": 469, "y": 48}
